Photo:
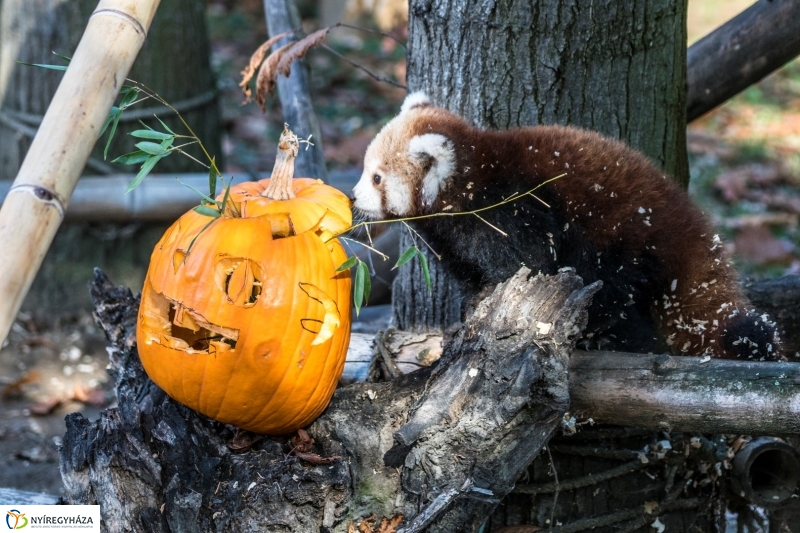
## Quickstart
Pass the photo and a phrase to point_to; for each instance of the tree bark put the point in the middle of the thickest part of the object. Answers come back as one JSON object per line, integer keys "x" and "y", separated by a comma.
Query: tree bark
{"x": 453, "y": 439}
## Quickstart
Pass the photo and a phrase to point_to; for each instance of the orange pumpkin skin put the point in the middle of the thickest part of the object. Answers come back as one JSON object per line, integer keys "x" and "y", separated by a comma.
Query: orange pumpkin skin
{"x": 261, "y": 300}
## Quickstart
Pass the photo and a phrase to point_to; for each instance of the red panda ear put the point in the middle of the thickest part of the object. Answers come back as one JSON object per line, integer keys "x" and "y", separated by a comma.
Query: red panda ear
{"x": 440, "y": 150}
{"x": 416, "y": 99}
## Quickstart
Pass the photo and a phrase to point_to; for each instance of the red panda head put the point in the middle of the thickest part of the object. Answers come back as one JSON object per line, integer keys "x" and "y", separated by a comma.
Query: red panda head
{"x": 406, "y": 165}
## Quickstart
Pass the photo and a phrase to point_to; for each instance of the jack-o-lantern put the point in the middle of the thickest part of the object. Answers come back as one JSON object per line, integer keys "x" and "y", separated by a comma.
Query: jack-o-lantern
{"x": 243, "y": 316}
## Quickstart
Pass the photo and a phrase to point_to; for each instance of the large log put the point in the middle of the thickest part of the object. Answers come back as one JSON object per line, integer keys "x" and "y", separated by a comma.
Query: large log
{"x": 442, "y": 446}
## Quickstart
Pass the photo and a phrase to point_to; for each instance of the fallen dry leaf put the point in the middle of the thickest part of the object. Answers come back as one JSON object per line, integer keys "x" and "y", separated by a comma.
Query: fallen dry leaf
{"x": 367, "y": 525}
{"x": 302, "y": 441}
{"x": 757, "y": 245}
{"x": 95, "y": 397}
{"x": 14, "y": 389}
{"x": 242, "y": 441}
{"x": 316, "y": 459}
{"x": 46, "y": 407}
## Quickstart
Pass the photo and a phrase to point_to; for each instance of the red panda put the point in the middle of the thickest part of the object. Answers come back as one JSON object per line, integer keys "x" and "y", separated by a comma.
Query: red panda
{"x": 612, "y": 216}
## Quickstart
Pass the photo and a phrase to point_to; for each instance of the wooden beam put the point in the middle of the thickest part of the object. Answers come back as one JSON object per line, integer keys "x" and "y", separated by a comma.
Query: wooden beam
{"x": 741, "y": 52}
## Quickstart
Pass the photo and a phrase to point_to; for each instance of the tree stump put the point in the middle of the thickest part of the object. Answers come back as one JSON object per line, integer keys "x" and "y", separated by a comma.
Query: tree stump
{"x": 441, "y": 446}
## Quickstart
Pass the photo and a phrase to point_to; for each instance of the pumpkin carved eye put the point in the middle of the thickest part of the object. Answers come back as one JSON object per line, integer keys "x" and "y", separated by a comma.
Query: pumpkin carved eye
{"x": 376, "y": 179}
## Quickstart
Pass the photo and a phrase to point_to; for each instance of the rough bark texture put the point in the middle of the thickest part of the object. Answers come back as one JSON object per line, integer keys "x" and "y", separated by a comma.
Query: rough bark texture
{"x": 615, "y": 68}
{"x": 458, "y": 436}
{"x": 781, "y": 299}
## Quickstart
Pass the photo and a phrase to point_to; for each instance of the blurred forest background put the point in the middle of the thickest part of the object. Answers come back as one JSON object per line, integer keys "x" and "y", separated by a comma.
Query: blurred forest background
{"x": 744, "y": 159}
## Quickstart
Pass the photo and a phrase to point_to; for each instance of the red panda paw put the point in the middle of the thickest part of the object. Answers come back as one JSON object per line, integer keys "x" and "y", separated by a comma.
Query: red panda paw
{"x": 750, "y": 336}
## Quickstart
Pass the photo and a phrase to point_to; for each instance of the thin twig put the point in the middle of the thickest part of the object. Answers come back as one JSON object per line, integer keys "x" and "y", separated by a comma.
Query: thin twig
{"x": 383, "y": 255}
{"x": 558, "y": 488}
{"x": 361, "y": 67}
{"x": 370, "y": 30}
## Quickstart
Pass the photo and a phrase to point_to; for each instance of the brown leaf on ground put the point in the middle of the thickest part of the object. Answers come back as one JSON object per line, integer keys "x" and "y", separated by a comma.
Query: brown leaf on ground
{"x": 315, "y": 459}
{"x": 757, "y": 245}
{"x": 302, "y": 441}
{"x": 95, "y": 397}
{"x": 47, "y": 407}
{"x": 386, "y": 525}
{"x": 242, "y": 441}
{"x": 255, "y": 62}
{"x": 14, "y": 389}
{"x": 298, "y": 50}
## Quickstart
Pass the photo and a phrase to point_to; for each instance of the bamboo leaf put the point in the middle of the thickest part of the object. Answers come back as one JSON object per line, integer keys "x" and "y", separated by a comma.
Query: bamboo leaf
{"x": 358, "y": 288}
{"x": 114, "y": 111}
{"x": 129, "y": 98}
{"x": 207, "y": 211}
{"x": 166, "y": 143}
{"x": 150, "y": 134}
{"x": 367, "y": 281}
{"x": 65, "y": 58}
{"x": 144, "y": 171}
{"x": 132, "y": 158}
{"x": 189, "y": 248}
{"x": 165, "y": 126}
{"x": 406, "y": 256}
{"x": 212, "y": 177}
{"x": 425, "y": 272}
{"x": 208, "y": 199}
{"x": 43, "y": 65}
{"x": 150, "y": 148}
{"x": 227, "y": 195}
{"x": 352, "y": 260}
{"x": 113, "y": 131}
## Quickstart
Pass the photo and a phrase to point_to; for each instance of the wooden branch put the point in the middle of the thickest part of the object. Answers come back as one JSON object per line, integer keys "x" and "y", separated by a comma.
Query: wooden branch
{"x": 295, "y": 93}
{"x": 686, "y": 393}
{"x": 741, "y": 52}
{"x": 34, "y": 209}
{"x": 445, "y": 445}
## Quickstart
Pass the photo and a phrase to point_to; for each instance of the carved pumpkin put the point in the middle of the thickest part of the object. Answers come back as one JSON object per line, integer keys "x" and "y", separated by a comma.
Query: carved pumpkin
{"x": 243, "y": 317}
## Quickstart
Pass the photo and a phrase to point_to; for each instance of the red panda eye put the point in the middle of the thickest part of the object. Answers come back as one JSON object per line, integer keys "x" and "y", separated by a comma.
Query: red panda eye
{"x": 376, "y": 179}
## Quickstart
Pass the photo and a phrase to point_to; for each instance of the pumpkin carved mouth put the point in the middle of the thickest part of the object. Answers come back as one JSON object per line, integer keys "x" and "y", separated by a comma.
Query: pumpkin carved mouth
{"x": 184, "y": 329}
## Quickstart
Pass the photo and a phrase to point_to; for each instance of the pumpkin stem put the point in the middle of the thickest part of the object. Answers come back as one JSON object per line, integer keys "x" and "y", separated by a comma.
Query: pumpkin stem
{"x": 280, "y": 184}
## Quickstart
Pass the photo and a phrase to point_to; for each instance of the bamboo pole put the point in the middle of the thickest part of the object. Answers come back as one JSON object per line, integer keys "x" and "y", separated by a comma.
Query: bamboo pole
{"x": 35, "y": 206}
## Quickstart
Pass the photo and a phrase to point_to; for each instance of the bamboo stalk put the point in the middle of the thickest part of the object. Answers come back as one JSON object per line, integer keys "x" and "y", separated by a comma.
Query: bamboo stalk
{"x": 34, "y": 208}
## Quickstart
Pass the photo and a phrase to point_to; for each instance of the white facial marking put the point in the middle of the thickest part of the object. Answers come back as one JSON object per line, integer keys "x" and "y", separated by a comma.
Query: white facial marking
{"x": 441, "y": 150}
{"x": 413, "y": 100}
{"x": 367, "y": 195}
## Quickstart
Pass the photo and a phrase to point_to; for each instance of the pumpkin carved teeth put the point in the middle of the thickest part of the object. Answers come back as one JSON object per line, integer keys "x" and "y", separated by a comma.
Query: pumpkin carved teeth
{"x": 331, "y": 320}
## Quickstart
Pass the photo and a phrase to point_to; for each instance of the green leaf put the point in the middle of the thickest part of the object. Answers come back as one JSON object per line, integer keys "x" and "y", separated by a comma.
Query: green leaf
{"x": 212, "y": 177}
{"x": 144, "y": 171}
{"x": 407, "y": 256}
{"x": 151, "y": 134}
{"x": 367, "y": 281}
{"x": 165, "y": 126}
{"x": 203, "y": 196}
{"x": 111, "y": 135}
{"x": 207, "y": 211}
{"x": 166, "y": 143}
{"x": 42, "y": 65}
{"x": 227, "y": 195}
{"x": 358, "y": 288}
{"x": 114, "y": 111}
{"x": 425, "y": 272}
{"x": 150, "y": 148}
{"x": 189, "y": 248}
{"x": 129, "y": 98}
{"x": 132, "y": 158}
{"x": 65, "y": 58}
{"x": 352, "y": 260}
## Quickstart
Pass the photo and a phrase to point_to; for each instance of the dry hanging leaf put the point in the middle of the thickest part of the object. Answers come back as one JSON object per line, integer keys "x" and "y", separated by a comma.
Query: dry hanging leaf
{"x": 268, "y": 75}
{"x": 298, "y": 51}
{"x": 255, "y": 62}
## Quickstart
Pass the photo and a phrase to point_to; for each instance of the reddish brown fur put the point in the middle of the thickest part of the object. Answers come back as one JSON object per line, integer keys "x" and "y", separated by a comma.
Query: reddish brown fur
{"x": 605, "y": 184}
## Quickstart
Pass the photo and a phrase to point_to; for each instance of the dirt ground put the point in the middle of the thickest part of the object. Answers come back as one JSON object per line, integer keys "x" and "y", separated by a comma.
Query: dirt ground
{"x": 48, "y": 372}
